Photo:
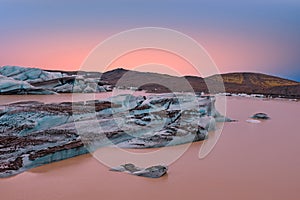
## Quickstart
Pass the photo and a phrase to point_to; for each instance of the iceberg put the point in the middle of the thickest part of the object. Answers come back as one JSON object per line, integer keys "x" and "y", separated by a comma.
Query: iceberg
{"x": 33, "y": 133}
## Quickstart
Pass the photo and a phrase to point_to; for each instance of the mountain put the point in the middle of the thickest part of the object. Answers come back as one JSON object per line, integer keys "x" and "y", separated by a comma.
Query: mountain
{"x": 22, "y": 80}
{"x": 243, "y": 82}
{"x": 257, "y": 83}
{"x": 151, "y": 82}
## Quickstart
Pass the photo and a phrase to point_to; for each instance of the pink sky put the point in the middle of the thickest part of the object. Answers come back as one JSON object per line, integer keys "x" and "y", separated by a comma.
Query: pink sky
{"x": 67, "y": 52}
{"x": 249, "y": 35}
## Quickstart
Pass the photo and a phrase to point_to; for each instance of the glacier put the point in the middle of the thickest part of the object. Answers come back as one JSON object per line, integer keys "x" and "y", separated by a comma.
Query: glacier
{"x": 23, "y": 80}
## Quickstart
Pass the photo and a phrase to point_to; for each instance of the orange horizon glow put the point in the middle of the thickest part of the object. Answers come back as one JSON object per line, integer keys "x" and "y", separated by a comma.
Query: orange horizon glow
{"x": 67, "y": 52}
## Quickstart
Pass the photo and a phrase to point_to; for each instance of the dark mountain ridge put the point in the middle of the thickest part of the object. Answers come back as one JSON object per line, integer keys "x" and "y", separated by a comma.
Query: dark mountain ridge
{"x": 238, "y": 82}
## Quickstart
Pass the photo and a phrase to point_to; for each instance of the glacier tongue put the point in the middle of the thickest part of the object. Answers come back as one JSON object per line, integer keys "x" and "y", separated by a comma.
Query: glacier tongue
{"x": 31, "y": 75}
{"x": 22, "y": 80}
{"x": 11, "y": 86}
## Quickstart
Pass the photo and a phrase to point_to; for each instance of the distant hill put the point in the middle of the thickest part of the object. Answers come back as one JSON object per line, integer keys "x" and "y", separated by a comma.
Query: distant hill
{"x": 257, "y": 83}
{"x": 22, "y": 80}
{"x": 243, "y": 82}
{"x": 152, "y": 82}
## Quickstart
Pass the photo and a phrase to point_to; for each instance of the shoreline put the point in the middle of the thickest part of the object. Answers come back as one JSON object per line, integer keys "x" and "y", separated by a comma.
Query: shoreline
{"x": 88, "y": 96}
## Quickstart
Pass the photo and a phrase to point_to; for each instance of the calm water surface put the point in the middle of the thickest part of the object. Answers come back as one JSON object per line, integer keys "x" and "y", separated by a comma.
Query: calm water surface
{"x": 6, "y": 99}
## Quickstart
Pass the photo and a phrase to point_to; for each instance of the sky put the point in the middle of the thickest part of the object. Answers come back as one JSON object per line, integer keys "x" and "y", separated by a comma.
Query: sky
{"x": 255, "y": 36}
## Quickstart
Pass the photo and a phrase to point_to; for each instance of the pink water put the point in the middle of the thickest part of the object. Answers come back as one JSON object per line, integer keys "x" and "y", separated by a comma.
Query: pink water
{"x": 250, "y": 161}
{"x": 6, "y": 99}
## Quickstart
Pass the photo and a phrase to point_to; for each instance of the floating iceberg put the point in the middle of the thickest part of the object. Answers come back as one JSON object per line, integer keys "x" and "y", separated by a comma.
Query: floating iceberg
{"x": 34, "y": 133}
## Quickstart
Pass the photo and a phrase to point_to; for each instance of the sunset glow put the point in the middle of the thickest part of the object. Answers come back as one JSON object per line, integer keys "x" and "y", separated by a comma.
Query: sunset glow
{"x": 53, "y": 36}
